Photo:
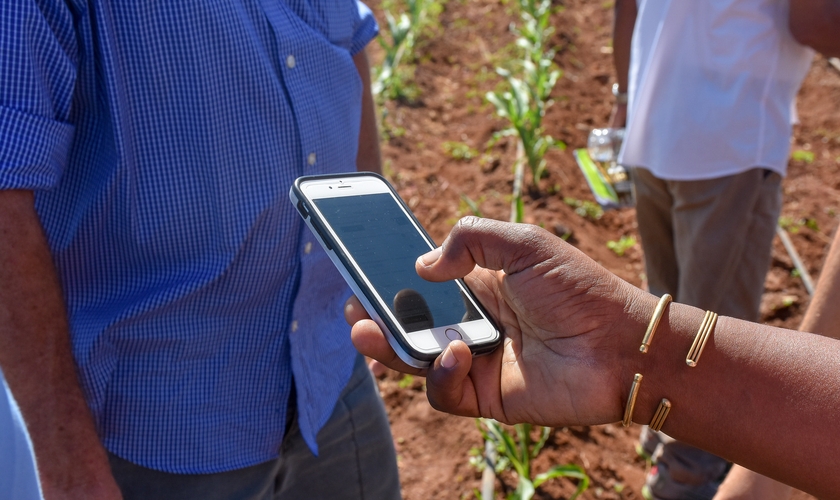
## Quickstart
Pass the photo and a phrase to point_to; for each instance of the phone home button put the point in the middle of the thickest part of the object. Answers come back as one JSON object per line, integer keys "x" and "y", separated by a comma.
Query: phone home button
{"x": 453, "y": 334}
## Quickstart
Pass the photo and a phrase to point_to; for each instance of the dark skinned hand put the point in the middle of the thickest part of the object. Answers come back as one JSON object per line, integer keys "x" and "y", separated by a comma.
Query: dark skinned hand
{"x": 562, "y": 317}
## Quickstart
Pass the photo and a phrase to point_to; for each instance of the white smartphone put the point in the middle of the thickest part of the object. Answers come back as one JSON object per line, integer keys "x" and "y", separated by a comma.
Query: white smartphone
{"x": 373, "y": 239}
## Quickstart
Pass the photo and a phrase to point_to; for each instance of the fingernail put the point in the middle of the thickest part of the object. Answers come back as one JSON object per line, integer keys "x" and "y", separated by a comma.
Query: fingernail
{"x": 448, "y": 360}
{"x": 431, "y": 257}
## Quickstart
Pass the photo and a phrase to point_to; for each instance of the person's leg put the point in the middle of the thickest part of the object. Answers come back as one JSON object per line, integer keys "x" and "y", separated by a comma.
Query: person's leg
{"x": 356, "y": 461}
{"x": 356, "y": 456}
{"x": 653, "y": 215}
{"x": 140, "y": 483}
{"x": 723, "y": 231}
{"x": 683, "y": 472}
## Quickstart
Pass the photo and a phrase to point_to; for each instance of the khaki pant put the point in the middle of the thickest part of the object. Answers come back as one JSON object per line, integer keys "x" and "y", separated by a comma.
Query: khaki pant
{"x": 707, "y": 243}
{"x": 356, "y": 461}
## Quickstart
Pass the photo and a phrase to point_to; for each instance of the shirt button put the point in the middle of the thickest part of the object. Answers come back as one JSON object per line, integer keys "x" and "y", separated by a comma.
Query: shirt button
{"x": 290, "y": 61}
{"x": 308, "y": 247}
{"x": 294, "y": 325}
{"x": 312, "y": 159}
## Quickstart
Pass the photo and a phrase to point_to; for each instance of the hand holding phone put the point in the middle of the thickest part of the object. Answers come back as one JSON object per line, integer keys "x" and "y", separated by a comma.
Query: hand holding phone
{"x": 373, "y": 239}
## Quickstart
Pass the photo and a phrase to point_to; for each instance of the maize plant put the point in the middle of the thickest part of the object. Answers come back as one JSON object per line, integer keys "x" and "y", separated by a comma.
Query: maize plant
{"x": 519, "y": 452}
{"x": 524, "y": 100}
{"x": 390, "y": 79}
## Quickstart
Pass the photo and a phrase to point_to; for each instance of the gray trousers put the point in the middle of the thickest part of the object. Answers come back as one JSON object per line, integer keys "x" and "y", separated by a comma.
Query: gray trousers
{"x": 356, "y": 461}
{"x": 708, "y": 243}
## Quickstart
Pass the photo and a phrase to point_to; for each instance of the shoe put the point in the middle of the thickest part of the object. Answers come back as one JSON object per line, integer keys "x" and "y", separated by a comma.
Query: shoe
{"x": 659, "y": 485}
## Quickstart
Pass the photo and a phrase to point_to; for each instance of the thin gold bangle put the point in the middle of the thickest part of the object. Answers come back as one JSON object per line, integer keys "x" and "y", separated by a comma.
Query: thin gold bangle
{"x": 703, "y": 334}
{"x": 661, "y": 414}
{"x": 654, "y": 322}
{"x": 631, "y": 400}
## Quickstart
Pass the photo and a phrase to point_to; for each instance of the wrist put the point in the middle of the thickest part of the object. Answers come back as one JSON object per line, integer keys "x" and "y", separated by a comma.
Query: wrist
{"x": 639, "y": 309}
{"x": 663, "y": 367}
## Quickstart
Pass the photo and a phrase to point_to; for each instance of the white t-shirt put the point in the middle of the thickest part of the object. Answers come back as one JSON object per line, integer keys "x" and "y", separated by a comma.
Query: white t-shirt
{"x": 18, "y": 472}
{"x": 712, "y": 87}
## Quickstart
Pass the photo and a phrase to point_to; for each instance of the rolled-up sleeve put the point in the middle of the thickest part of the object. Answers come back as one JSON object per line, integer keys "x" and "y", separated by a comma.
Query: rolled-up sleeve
{"x": 365, "y": 28}
{"x": 38, "y": 60}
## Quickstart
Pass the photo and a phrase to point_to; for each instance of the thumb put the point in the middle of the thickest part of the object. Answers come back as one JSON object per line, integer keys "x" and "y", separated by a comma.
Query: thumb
{"x": 488, "y": 243}
{"x": 448, "y": 385}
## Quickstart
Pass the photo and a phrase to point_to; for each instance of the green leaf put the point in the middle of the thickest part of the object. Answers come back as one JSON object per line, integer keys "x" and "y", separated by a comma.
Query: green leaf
{"x": 406, "y": 381}
{"x": 524, "y": 489}
{"x": 802, "y": 155}
{"x": 459, "y": 150}
{"x": 569, "y": 470}
{"x": 506, "y": 443}
{"x": 473, "y": 205}
{"x": 503, "y": 72}
{"x": 511, "y": 452}
{"x": 545, "y": 432}
{"x": 622, "y": 245}
{"x": 497, "y": 101}
{"x": 523, "y": 433}
{"x": 520, "y": 210}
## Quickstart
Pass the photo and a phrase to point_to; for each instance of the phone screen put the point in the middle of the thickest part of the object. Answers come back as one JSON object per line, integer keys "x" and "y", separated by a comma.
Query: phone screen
{"x": 385, "y": 244}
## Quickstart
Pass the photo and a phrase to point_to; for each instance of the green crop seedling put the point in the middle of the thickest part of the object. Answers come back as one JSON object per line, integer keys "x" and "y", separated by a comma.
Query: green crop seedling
{"x": 392, "y": 79}
{"x": 459, "y": 150}
{"x": 468, "y": 204}
{"x": 586, "y": 209}
{"x": 622, "y": 245}
{"x": 802, "y": 155}
{"x": 518, "y": 450}
{"x": 525, "y": 96}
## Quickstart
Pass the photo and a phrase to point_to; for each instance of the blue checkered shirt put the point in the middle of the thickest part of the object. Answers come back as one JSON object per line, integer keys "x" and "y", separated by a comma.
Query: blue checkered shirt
{"x": 161, "y": 139}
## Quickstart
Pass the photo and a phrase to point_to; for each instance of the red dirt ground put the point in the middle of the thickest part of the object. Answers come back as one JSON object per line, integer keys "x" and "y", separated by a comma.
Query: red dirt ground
{"x": 455, "y": 68}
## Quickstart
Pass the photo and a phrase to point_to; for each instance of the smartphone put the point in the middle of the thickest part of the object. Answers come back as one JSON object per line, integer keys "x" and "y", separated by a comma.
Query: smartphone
{"x": 373, "y": 239}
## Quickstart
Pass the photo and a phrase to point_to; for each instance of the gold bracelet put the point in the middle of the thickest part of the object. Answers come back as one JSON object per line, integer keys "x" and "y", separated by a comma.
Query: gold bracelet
{"x": 703, "y": 334}
{"x": 631, "y": 400}
{"x": 654, "y": 322}
{"x": 661, "y": 414}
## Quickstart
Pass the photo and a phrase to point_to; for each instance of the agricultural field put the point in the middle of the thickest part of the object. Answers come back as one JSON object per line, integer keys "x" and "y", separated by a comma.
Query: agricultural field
{"x": 470, "y": 92}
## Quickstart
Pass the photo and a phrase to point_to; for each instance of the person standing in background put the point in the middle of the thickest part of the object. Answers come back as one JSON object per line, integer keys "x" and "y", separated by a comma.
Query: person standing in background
{"x": 167, "y": 325}
{"x": 710, "y": 90}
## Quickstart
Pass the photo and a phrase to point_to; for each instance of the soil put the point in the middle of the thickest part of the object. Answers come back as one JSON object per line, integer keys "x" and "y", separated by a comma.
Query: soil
{"x": 455, "y": 68}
